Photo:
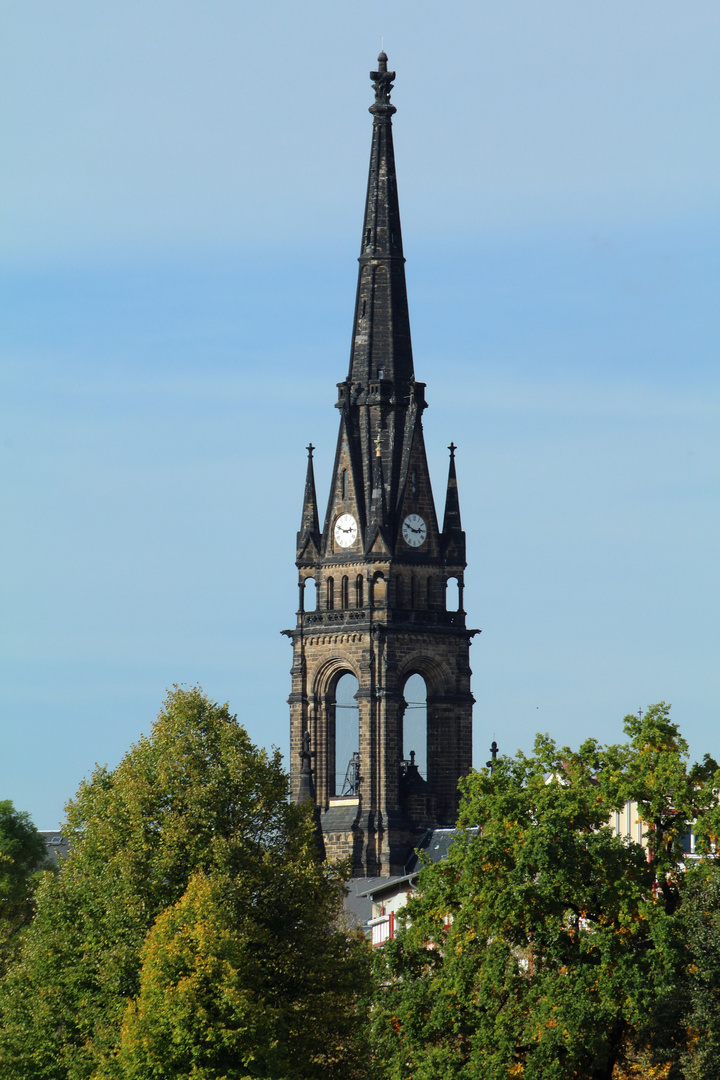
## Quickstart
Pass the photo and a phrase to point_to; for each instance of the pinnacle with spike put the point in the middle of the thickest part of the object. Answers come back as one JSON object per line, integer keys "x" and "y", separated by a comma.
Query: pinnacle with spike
{"x": 382, "y": 81}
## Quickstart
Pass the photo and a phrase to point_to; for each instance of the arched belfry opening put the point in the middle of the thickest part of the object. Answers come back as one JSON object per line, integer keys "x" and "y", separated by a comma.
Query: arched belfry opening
{"x": 345, "y": 723}
{"x": 415, "y": 723}
{"x": 381, "y": 663}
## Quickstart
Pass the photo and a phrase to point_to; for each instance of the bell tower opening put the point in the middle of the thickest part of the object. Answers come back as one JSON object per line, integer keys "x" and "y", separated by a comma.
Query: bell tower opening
{"x": 415, "y": 723}
{"x": 345, "y": 739}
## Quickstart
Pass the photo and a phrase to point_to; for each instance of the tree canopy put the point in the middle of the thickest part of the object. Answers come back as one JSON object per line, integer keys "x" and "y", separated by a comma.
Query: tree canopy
{"x": 22, "y": 857}
{"x": 545, "y": 946}
{"x": 192, "y": 921}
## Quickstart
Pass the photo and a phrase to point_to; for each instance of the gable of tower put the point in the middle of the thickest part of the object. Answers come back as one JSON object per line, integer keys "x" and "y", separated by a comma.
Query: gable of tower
{"x": 346, "y": 494}
{"x": 377, "y": 544}
{"x": 416, "y": 497}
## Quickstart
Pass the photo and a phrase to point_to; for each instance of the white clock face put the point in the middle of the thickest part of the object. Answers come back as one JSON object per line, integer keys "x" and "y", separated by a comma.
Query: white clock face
{"x": 346, "y": 530}
{"x": 414, "y": 530}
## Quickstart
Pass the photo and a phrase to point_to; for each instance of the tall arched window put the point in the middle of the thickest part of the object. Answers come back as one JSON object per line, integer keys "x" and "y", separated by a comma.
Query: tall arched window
{"x": 344, "y": 741}
{"x": 415, "y": 722}
{"x": 399, "y": 591}
{"x": 359, "y": 599}
{"x": 413, "y": 587}
{"x": 344, "y": 599}
{"x": 344, "y": 484}
{"x": 379, "y": 590}
{"x": 429, "y": 591}
{"x": 330, "y": 587}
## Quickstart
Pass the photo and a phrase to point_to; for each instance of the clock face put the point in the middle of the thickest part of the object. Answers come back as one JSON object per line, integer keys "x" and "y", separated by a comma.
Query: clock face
{"x": 346, "y": 530}
{"x": 414, "y": 530}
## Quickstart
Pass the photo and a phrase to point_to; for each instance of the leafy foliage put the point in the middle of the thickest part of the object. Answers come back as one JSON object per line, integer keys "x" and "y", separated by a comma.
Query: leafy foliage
{"x": 193, "y": 825}
{"x": 22, "y": 858}
{"x": 545, "y": 946}
{"x": 700, "y": 920}
{"x": 231, "y": 990}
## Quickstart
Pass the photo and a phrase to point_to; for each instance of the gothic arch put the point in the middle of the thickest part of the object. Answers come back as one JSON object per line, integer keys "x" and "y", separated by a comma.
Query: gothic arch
{"x": 329, "y": 674}
{"x": 438, "y": 677}
{"x": 337, "y": 729}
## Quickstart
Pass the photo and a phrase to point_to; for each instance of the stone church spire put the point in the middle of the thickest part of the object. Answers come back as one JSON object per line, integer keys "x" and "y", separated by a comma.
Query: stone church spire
{"x": 381, "y": 347}
{"x": 380, "y": 401}
{"x": 381, "y": 576}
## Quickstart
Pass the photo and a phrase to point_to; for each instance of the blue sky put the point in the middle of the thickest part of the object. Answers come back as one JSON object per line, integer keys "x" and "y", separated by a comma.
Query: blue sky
{"x": 184, "y": 188}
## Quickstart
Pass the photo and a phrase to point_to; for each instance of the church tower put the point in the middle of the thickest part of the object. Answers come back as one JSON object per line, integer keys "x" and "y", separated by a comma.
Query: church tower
{"x": 386, "y": 581}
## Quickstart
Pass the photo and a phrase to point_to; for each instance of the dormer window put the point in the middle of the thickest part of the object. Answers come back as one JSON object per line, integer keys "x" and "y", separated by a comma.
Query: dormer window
{"x": 344, "y": 484}
{"x": 381, "y": 373}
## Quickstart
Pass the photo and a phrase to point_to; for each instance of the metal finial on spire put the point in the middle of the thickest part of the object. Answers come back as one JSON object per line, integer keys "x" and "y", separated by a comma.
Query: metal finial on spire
{"x": 382, "y": 80}
{"x": 493, "y": 757}
{"x": 310, "y": 449}
{"x": 452, "y": 448}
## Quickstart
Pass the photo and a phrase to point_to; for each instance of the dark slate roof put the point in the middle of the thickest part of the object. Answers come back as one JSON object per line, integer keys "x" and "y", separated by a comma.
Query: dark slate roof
{"x": 434, "y": 845}
{"x": 358, "y": 902}
{"x": 58, "y": 846}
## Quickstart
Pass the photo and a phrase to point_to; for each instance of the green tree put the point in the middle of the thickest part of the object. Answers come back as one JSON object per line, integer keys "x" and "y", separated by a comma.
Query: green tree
{"x": 700, "y": 922}
{"x": 228, "y": 990}
{"x": 545, "y": 947}
{"x": 22, "y": 858}
{"x": 195, "y": 801}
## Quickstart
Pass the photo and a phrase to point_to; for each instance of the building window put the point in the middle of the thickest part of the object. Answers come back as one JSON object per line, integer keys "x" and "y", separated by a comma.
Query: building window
{"x": 359, "y": 600}
{"x": 413, "y": 482}
{"x": 344, "y": 603}
{"x": 399, "y": 591}
{"x": 429, "y": 591}
{"x": 343, "y": 484}
{"x": 330, "y": 594}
